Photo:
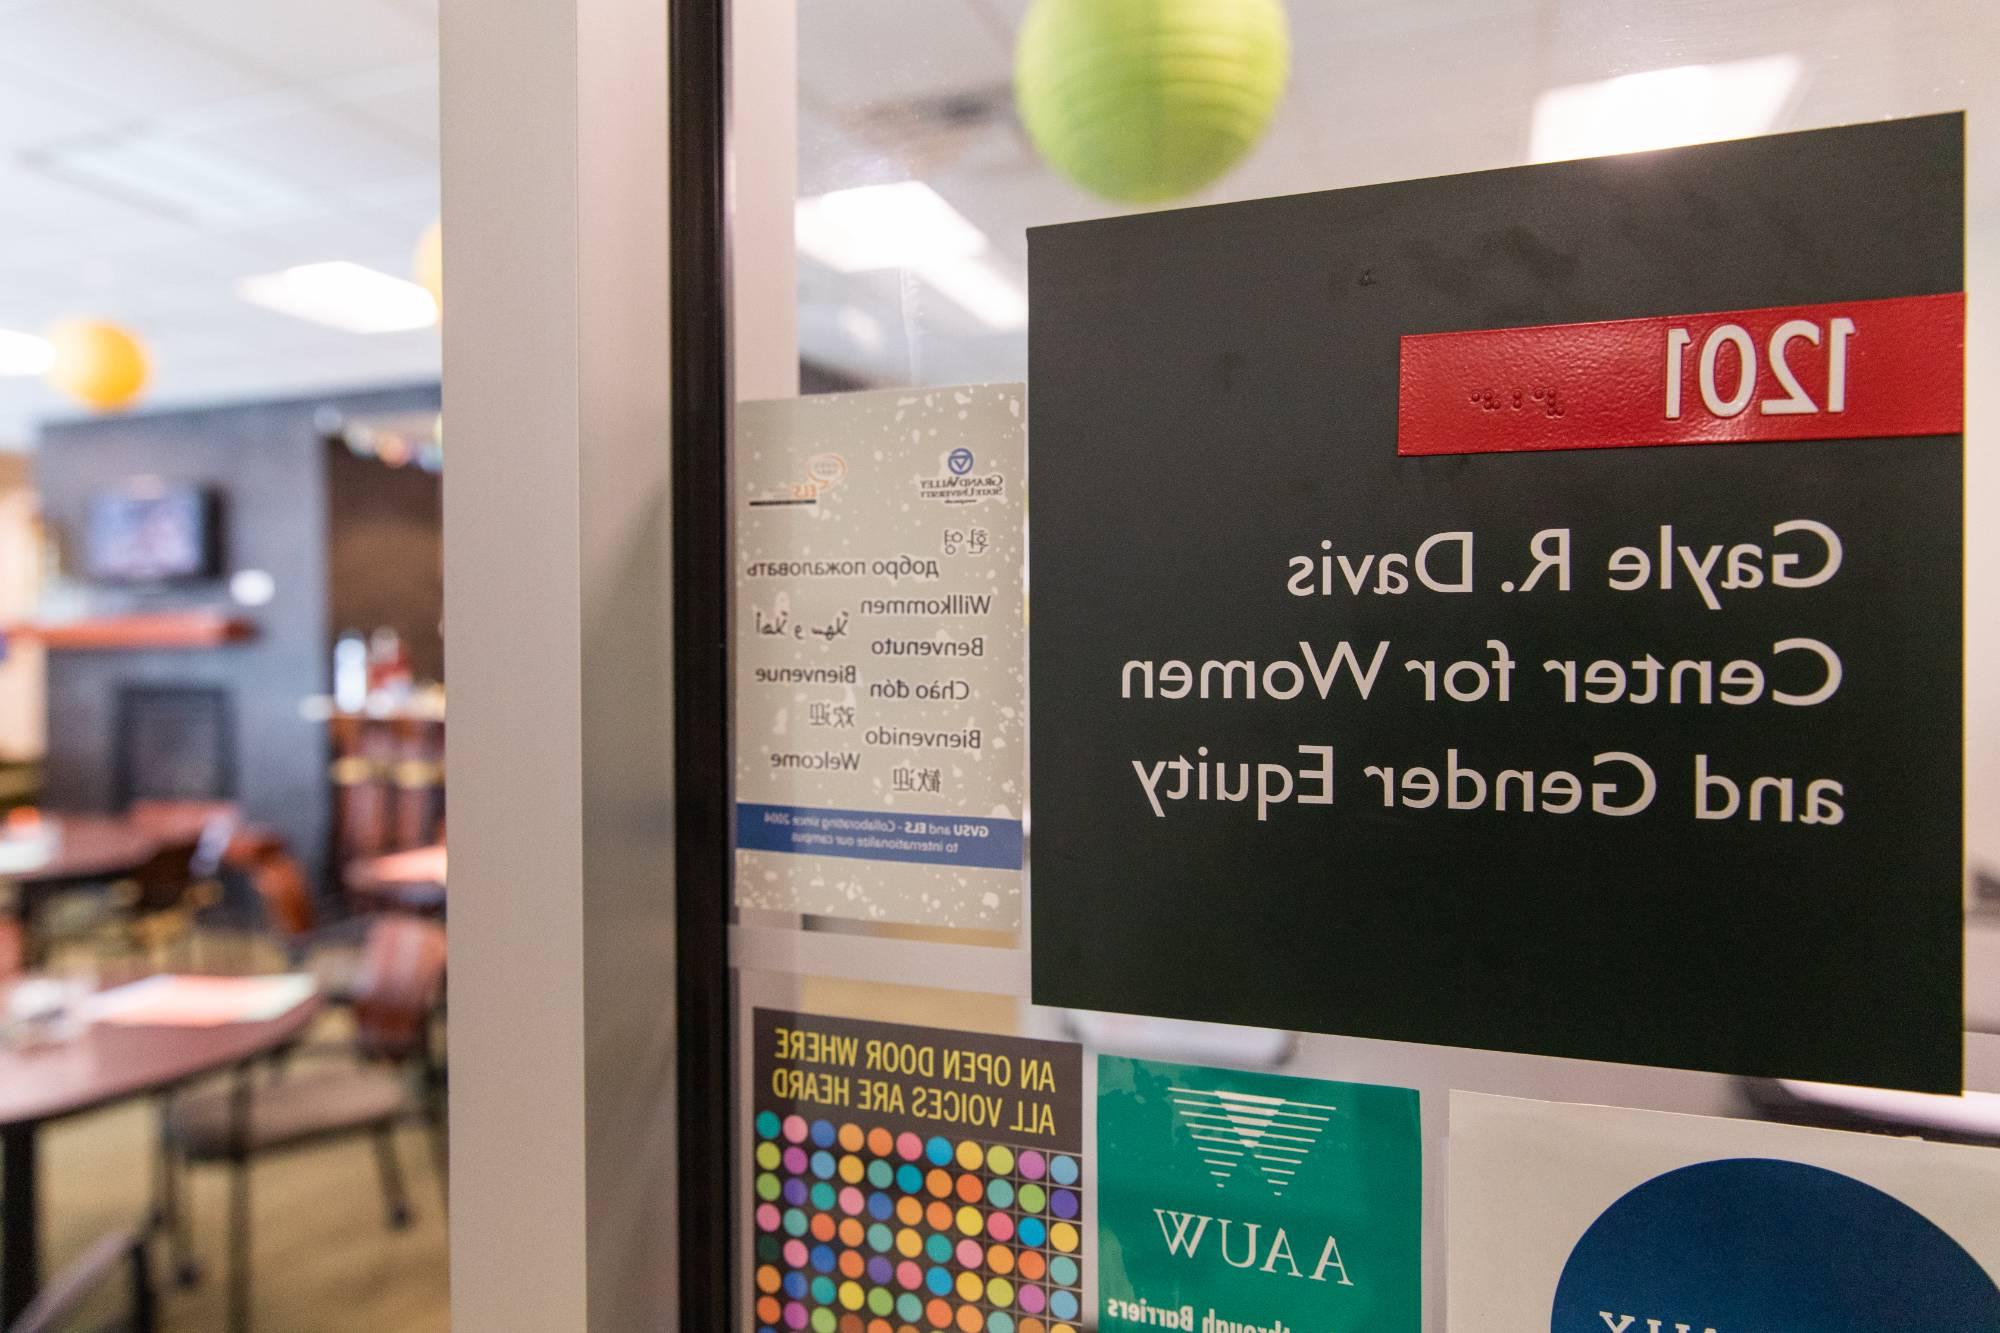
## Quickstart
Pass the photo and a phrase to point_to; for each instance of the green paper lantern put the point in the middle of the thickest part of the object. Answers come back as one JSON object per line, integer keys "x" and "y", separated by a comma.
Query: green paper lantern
{"x": 1145, "y": 100}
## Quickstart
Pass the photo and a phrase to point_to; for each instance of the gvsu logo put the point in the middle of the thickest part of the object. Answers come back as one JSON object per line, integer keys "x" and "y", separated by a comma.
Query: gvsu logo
{"x": 963, "y": 485}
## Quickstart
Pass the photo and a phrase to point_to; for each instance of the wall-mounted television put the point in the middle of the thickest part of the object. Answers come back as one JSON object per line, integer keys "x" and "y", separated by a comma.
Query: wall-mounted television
{"x": 147, "y": 531}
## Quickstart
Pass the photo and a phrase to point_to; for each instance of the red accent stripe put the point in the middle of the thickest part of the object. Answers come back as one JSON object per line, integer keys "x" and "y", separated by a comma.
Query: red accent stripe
{"x": 1604, "y": 385}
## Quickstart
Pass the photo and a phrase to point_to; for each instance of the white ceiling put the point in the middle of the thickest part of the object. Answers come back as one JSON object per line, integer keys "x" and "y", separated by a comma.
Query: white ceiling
{"x": 327, "y": 107}
{"x": 332, "y": 105}
{"x": 1380, "y": 90}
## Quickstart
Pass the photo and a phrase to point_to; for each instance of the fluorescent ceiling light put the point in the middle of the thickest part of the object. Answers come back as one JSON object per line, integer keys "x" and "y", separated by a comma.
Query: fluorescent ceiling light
{"x": 342, "y": 296}
{"x": 173, "y": 177}
{"x": 973, "y": 284}
{"x": 861, "y": 328}
{"x": 24, "y": 353}
{"x": 1662, "y": 108}
{"x": 909, "y": 226}
{"x": 904, "y": 225}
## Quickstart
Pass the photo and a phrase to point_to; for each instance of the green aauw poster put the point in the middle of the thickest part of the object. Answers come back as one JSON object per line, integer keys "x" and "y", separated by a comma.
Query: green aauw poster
{"x": 1233, "y": 1202}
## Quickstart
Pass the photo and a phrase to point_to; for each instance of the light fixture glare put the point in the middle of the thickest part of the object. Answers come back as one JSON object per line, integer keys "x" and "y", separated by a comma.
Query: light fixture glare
{"x": 25, "y": 353}
{"x": 1662, "y": 108}
{"x": 871, "y": 227}
{"x": 342, "y": 295}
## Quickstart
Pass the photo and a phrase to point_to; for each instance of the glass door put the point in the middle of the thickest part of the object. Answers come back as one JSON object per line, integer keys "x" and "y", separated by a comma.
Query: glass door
{"x": 915, "y": 1142}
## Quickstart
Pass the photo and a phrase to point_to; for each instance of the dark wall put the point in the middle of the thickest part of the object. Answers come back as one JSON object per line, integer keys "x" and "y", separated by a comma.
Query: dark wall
{"x": 385, "y": 557}
{"x": 269, "y": 465}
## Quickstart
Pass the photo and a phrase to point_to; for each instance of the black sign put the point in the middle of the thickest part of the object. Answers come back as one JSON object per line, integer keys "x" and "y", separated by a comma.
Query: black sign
{"x": 1517, "y": 739}
{"x": 924, "y": 1081}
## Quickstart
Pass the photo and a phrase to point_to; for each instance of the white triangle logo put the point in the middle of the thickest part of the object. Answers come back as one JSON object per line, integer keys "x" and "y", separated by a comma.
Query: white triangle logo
{"x": 1241, "y": 1132}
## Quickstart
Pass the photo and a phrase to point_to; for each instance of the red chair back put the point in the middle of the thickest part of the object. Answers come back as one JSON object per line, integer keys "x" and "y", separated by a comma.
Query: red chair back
{"x": 280, "y": 881}
{"x": 397, "y": 988}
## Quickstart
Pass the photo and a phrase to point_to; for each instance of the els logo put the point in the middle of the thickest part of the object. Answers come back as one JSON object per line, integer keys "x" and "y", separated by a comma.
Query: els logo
{"x": 826, "y": 471}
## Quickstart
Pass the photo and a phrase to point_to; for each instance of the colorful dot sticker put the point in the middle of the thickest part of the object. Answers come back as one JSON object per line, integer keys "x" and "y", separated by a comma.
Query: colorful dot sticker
{"x": 866, "y": 1229}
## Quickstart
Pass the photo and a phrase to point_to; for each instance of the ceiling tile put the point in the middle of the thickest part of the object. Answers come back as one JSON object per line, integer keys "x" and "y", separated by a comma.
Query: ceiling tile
{"x": 405, "y": 105}
{"x": 302, "y": 41}
{"x": 334, "y": 101}
{"x": 832, "y": 159}
{"x": 35, "y": 110}
{"x": 863, "y": 53}
{"x": 327, "y": 150}
{"x": 97, "y": 47}
{"x": 71, "y": 238}
{"x": 408, "y": 204}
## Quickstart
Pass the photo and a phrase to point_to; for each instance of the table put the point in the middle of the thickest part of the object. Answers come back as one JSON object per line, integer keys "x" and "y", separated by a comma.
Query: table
{"x": 90, "y": 847}
{"x": 107, "y": 1064}
{"x": 412, "y": 880}
{"x": 87, "y": 849}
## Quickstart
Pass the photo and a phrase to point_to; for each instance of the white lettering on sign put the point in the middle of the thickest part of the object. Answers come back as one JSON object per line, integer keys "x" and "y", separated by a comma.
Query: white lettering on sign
{"x": 1795, "y": 402}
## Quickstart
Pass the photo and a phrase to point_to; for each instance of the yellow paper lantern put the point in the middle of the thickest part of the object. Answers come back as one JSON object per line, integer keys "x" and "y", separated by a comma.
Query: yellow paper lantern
{"x": 427, "y": 267}
{"x": 100, "y": 364}
{"x": 1142, "y": 101}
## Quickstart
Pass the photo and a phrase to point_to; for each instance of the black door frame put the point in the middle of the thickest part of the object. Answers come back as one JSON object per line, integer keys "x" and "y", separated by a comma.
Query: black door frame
{"x": 698, "y": 122}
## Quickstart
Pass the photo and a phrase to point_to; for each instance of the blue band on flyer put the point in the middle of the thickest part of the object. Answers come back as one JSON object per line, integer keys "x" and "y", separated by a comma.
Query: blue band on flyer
{"x": 875, "y": 835}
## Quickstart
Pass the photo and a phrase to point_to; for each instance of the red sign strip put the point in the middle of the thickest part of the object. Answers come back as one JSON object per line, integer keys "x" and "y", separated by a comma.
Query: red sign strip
{"x": 1845, "y": 370}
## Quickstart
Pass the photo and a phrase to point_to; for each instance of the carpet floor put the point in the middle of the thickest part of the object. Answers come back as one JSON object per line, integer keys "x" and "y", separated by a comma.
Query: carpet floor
{"x": 323, "y": 1258}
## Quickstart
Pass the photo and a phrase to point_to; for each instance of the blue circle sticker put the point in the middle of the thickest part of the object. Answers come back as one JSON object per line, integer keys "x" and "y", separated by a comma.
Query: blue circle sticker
{"x": 1758, "y": 1244}
{"x": 959, "y": 461}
